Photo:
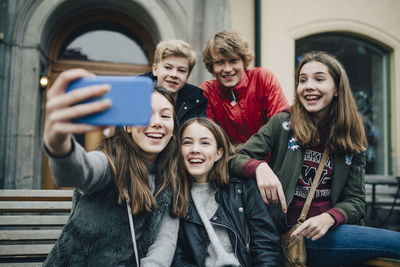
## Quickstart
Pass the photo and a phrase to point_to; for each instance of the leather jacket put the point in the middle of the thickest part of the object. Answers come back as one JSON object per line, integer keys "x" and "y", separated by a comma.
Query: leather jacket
{"x": 254, "y": 238}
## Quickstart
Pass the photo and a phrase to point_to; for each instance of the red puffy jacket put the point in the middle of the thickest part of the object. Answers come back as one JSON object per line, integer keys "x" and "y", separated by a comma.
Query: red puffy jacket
{"x": 258, "y": 97}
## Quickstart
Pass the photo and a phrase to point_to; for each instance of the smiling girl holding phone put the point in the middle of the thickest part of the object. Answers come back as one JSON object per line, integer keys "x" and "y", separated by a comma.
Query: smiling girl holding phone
{"x": 131, "y": 175}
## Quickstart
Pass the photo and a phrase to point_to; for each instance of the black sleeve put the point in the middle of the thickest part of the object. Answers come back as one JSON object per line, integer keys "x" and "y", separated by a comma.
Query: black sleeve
{"x": 265, "y": 245}
{"x": 182, "y": 257}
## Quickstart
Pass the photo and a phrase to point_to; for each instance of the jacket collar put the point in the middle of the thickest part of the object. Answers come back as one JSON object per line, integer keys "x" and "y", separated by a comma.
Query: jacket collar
{"x": 192, "y": 213}
{"x": 238, "y": 90}
{"x": 188, "y": 92}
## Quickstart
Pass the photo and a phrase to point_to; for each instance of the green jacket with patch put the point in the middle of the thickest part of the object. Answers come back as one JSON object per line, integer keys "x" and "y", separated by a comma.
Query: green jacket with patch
{"x": 348, "y": 182}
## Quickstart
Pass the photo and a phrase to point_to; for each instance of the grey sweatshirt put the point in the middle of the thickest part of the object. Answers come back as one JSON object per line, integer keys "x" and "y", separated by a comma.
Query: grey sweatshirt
{"x": 90, "y": 172}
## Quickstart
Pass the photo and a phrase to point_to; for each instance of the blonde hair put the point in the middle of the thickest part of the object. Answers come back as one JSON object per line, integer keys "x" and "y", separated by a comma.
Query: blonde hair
{"x": 177, "y": 48}
{"x": 229, "y": 44}
{"x": 346, "y": 129}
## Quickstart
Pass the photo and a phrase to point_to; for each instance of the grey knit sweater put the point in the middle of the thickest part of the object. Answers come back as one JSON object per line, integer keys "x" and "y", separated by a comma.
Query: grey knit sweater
{"x": 219, "y": 251}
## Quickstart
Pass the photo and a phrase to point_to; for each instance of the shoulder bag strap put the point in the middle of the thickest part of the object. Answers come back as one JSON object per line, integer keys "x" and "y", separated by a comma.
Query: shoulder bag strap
{"x": 314, "y": 186}
{"x": 128, "y": 207}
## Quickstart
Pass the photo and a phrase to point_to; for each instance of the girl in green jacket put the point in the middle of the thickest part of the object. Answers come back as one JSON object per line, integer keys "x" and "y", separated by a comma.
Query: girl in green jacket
{"x": 323, "y": 115}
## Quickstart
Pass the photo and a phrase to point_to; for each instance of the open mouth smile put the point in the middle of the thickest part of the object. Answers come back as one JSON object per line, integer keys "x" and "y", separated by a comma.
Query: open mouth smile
{"x": 312, "y": 98}
{"x": 173, "y": 83}
{"x": 196, "y": 161}
{"x": 155, "y": 135}
{"x": 231, "y": 76}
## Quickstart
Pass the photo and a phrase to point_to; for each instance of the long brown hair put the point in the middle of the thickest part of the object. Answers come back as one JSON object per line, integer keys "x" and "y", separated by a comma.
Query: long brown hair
{"x": 219, "y": 173}
{"x": 129, "y": 168}
{"x": 346, "y": 130}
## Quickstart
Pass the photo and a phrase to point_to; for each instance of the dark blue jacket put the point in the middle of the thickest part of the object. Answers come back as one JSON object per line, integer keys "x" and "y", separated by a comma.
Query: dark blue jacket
{"x": 189, "y": 103}
{"x": 242, "y": 212}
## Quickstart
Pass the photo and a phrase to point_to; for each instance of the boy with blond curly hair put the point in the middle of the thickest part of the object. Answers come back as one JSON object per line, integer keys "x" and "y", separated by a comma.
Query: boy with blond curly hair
{"x": 173, "y": 62}
{"x": 240, "y": 99}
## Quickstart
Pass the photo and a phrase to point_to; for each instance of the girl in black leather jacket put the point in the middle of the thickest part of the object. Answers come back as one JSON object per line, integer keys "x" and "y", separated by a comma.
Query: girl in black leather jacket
{"x": 227, "y": 223}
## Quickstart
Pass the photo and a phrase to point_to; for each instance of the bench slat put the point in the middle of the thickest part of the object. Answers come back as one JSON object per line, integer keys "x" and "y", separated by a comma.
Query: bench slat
{"x": 382, "y": 200}
{"x": 22, "y": 264}
{"x": 24, "y": 250}
{"x": 16, "y": 235}
{"x": 13, "y": 220}
{"x": 25, "y": 194}
{"x": 31, "y": 206}
{"x": 30, "y": 223}
{"x": 381, "y": 179}
{"x": 383, "y": 262}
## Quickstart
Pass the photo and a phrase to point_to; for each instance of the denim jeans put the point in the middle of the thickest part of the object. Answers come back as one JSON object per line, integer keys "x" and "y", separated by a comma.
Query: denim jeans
{"x": 351, "y": 244}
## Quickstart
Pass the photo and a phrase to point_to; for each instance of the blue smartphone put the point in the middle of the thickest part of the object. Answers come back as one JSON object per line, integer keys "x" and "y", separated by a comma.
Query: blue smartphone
{"x": 130, "y": 97}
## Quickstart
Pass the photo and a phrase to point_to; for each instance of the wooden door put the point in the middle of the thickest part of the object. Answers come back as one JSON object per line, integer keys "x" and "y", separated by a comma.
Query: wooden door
{"x": 90, "y": 22}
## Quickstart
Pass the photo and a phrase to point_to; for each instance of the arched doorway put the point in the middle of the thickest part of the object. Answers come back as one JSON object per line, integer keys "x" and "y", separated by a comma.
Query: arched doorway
{"x": 104, "y": 42}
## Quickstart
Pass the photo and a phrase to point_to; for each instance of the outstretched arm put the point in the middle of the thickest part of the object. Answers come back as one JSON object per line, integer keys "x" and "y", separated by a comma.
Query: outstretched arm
{"x": 86, "y": 171}
{"x": 250, "y": 161}
{"x": 269, "y": 185}
{"x": 62, "y": 108}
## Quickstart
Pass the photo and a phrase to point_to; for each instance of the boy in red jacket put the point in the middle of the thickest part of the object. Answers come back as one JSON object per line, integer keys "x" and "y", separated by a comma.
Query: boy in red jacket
{"x": 240, "y": 100}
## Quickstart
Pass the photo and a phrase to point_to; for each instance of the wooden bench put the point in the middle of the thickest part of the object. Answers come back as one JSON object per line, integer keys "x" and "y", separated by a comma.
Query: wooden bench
{"x": 382, "y": 262}
{"x": 30, "y": 223}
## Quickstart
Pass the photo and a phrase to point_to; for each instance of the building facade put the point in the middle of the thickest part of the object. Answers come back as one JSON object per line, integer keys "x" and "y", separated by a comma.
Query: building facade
{"x": 44, "y": 37}
{"x": 363, "y": 34}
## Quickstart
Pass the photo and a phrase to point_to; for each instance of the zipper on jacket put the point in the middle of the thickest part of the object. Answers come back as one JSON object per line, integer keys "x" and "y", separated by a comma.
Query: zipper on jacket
{"x": 182, "y": 107}
{"x": 247, "y": 239}
{"x": 233, "y": 99}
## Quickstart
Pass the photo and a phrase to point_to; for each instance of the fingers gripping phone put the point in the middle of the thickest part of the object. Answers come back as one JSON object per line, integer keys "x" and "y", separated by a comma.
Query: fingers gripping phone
{"x": 130, "y": 97}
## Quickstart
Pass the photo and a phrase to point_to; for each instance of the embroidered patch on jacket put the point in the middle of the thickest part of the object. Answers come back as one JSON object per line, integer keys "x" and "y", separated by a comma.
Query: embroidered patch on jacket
{"x": 286, "y": 125}
{"x": 293, "y": 145}
{"x": 348, "y": 159}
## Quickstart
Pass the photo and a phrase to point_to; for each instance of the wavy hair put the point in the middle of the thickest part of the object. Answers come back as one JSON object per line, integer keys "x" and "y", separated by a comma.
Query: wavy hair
{"x": 129, "y": 169}
{"x": 177, "y": 48}
{"x": 229, "y": 44}
{"x": 346, "y": 129}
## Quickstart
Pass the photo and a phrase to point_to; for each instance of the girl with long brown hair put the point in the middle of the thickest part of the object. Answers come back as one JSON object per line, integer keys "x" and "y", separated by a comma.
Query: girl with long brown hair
{"x": 227, "y": 222}
{"x": 324, "y": 116}
{"x": 131, "y": 175}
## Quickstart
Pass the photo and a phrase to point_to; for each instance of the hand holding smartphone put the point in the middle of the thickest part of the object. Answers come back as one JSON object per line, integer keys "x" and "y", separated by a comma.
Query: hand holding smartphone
{"x": 130, "y": 97}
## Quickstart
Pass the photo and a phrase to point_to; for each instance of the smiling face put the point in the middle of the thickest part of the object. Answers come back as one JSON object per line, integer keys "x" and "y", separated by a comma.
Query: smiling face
{"x": 199, "y": 151}
{"x": 155, "y": 137}
{"x": 316, "y": 88}
{"x": 172, "y": 73}
{"x": 228, "y": 71}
